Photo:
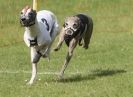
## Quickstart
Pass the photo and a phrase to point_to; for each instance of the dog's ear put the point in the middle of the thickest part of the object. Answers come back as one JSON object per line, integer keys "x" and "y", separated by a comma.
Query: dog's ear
{"x": 79, "y": 22}
{"x": 65, "y": 23}
{"x": 34, "y": 11}
{"x": 27, "y": 7}
{"x": 24, "y": 10}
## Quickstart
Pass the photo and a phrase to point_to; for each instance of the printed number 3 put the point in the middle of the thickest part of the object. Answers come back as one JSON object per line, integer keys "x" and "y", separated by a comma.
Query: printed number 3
{"x": 45, "y": 21}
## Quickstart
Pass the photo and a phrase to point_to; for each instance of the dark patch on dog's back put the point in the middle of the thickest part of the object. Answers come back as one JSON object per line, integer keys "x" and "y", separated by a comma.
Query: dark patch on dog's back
{"x": 84, "y": 21}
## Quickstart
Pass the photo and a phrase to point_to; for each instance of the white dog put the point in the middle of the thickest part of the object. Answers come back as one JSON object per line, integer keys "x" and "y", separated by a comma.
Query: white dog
{"x": 41, "y": 29}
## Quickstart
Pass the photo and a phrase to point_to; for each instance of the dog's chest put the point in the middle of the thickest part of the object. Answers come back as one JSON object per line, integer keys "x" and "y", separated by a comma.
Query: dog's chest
{"x": 67, "y": 39}
{"x": 37, "y": 40}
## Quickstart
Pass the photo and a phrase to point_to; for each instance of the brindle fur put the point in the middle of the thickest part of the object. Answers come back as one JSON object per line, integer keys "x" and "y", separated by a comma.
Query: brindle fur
{"x": 82, "y": 36}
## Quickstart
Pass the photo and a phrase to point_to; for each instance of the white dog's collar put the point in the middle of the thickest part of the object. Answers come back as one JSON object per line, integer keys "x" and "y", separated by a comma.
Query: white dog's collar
{"x": 33, "y": 42}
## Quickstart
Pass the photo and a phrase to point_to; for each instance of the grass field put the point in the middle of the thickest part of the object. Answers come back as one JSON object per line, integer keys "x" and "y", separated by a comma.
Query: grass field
{"x": 104, "y": 70}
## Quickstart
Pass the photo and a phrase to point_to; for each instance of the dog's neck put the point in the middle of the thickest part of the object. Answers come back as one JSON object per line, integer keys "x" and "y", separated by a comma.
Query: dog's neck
{"x": 33, "y": 30}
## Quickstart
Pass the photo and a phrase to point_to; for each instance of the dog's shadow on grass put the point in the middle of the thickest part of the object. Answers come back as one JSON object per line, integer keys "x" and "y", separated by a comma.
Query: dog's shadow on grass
{"x": 91, "y": 75}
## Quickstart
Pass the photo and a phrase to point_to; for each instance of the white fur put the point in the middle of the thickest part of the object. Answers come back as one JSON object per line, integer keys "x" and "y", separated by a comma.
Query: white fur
{"x": 44, "y": 39}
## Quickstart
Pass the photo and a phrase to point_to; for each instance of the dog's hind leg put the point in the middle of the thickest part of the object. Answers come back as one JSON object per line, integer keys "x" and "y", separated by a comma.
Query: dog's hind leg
{"x": 72, "y": 45}
{"x": 53, "y": 35}
{"x": 80, "y": 40}
{"x": 88, "y": 33}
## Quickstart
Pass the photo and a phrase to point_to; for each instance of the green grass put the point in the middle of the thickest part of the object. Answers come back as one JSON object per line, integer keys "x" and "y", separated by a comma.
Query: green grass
{"x": 104, "y": 70}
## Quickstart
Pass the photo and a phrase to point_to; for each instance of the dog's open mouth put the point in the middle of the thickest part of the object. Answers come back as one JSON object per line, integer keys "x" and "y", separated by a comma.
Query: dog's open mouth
{"x": 27, "y": 23}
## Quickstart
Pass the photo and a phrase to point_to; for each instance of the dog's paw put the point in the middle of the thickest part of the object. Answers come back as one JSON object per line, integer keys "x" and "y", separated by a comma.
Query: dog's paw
{"x": 80, "y": 44}
{"x": 45, "y": 55}
{"x": 85, "y": 47}
{"x": 60, "y": 76}
{"x": 29, "y": 83}
{"x": 56, "y": 49}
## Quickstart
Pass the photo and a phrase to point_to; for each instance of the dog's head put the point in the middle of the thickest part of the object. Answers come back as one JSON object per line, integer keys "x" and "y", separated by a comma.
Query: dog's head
{"x": 27, "y": 17}
{"x": 72, "y": 25}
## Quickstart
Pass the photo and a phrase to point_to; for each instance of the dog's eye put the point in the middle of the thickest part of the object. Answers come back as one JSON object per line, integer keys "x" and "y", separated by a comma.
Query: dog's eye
{"x": 30, "y": 14}
{"x": 75, "y": 26}
{"x": 66, "y": 24}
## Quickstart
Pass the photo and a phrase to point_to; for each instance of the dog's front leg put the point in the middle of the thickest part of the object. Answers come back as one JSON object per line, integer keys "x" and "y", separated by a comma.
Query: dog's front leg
{"x": 34, "y": 72}
{"x": 34, "y": 60}
{"x": 72, "y": 45}
{"x": 61, "y": 40}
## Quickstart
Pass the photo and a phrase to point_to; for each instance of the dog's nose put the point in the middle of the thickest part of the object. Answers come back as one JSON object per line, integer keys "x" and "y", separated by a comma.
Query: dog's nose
{"x": 23, "y": 19}
{"x": 69, "y": 32}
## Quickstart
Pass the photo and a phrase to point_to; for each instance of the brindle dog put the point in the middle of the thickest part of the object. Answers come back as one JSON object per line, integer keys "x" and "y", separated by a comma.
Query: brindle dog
{"x": 76, "y": 30}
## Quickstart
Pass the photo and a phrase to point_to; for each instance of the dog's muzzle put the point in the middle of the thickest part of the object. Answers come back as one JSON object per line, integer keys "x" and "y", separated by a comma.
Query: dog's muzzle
{"x": 26, "y": 22}
{"x": 69, "y": 31}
